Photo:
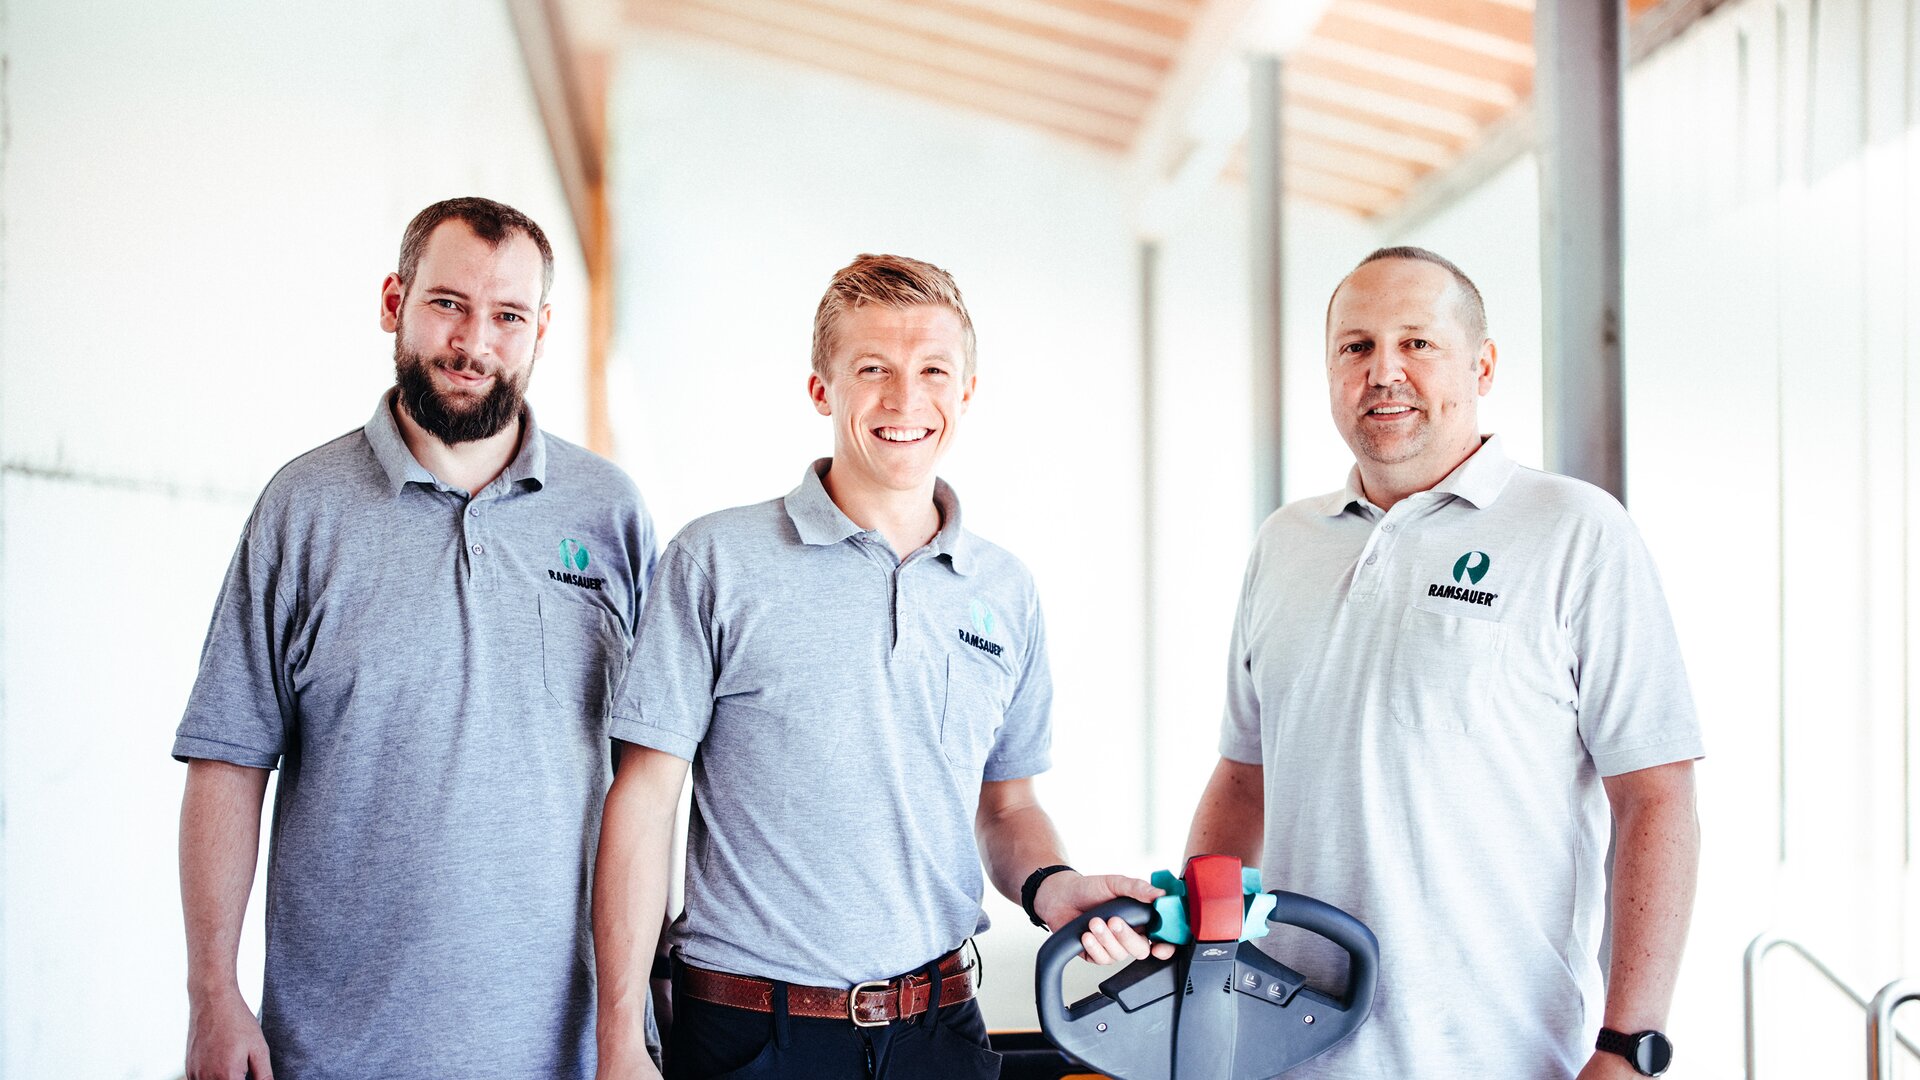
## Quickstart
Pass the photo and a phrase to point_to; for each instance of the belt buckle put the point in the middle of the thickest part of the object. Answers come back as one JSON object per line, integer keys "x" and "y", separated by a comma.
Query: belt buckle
{"x": 853, "y": 997}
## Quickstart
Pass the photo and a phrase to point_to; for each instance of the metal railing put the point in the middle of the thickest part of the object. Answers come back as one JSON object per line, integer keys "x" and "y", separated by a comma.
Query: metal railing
{"x": 1881, "y": 1033}
{"x": 1880, "y": 1029}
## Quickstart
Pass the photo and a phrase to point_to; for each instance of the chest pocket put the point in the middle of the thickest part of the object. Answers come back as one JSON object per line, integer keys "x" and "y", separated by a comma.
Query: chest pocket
{"x": 583, "y": 654}
{"x": 1443, "y": 670}
{"x": 974, "y": 708}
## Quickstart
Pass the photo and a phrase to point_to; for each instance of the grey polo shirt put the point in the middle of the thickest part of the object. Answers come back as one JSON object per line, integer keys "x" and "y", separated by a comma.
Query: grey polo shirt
{"x": 1434, "y": 693}
{"x": 841, "y": 708}
{"x": 431, "y": 673}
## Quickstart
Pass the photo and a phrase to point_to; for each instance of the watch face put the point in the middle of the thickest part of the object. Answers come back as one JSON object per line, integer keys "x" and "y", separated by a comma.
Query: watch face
{"x": 1652, "y": 1053}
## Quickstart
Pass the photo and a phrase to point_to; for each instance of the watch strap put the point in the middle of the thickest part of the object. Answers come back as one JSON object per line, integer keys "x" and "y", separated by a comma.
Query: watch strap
{"x": 1031, "y": 890}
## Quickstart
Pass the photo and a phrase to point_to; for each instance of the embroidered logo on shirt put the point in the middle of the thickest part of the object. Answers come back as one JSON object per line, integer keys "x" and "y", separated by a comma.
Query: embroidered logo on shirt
{"x": 982, "y": 617}
{"x": 1469, "y": 568}
{"x": 1474, "y": 564}
{"x": 573, "y": 556}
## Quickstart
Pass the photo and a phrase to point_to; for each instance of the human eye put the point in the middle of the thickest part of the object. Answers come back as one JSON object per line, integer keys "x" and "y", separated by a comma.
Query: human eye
{"x": 511, "y": 317}
{"x": 1419, "y": 344}
{"x": 444, "y": 304}
{"x": 1354, "y": 348}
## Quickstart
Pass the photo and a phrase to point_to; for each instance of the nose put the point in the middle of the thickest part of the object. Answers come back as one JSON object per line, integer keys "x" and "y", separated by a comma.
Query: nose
{"x": 1384, "y": 368}
{"x": 473, "y": 336}
{"x": 902, "y": 392}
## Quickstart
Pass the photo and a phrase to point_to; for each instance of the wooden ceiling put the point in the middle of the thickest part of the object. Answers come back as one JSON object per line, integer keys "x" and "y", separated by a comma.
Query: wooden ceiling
{"x": 1380, "y": 94}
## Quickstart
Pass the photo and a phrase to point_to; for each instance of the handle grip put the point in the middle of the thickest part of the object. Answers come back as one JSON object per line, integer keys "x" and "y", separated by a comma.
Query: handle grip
{"x": 1064, "y": 944}
{"x": 1352, "y": 935}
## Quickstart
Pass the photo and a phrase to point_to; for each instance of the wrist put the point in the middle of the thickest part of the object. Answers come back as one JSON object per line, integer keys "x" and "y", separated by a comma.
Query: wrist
{"x": 1035, "y": 884}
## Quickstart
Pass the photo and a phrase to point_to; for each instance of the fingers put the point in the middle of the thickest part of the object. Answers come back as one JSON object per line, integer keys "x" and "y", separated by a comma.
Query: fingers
{"x": 1109, "y": 941}
{"x": 258, "y": 1065}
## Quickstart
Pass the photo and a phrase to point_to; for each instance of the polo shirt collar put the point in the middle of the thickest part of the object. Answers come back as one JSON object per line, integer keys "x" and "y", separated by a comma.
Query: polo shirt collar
{"x": 1479, "y": 480}
{"x": 820, "y": 522}
{"x": 402, "y": 468}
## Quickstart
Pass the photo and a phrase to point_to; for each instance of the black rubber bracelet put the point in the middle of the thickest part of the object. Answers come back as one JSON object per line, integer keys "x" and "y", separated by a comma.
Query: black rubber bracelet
{"x": 1032, "y": 889}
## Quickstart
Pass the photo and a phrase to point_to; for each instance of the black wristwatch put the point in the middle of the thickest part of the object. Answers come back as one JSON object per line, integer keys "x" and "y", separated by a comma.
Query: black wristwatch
{"x": 1031, "y": 889}
{"x": 1650, "y": 1052}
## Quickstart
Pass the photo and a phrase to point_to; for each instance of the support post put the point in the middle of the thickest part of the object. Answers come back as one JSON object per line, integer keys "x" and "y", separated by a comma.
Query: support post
{"x": 1264, "y": 229}
{"x": 1580, "y": 47}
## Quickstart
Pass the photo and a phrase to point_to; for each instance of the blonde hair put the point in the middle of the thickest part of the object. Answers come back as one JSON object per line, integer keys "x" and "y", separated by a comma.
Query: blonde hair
{"x": 893, "y": 281}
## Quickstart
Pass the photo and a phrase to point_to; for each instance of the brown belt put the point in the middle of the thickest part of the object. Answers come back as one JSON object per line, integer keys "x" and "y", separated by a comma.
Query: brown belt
{"x": 870, "y": 1004}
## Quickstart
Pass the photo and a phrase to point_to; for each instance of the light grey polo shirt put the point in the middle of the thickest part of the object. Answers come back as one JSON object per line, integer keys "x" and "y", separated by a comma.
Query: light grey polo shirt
{"x": 1434, "y": 693}
{"x": 841, "y": 708}
{"x": 431, "y": 673}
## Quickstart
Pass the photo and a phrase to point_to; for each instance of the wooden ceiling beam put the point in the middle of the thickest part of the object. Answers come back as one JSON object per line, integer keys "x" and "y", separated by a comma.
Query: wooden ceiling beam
{"x": 1172, "y": 15}
{"x": 1503, "y": 21}
{"x": 808, "y": 23}
{"x": 1440, "y": 32}
{"x": 947, "y": 28}
{"x": 1098, "y": 129}
{"x": 1093, "y": 32}
{"x": 1389, "y": 80}
{"x": 1405, "y": 115}
{"x": 1375, "y": 63}
{"x": 1302, "y": 121}
{"x": 1335, "y": 159}
{"x": 1300, "y": 182}
{"x": 1416, "y": 51}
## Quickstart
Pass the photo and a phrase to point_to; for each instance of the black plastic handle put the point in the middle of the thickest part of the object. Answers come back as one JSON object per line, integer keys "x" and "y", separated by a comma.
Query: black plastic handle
{"x": 1352, "y": 935}
{"x": 1064, "y": 944}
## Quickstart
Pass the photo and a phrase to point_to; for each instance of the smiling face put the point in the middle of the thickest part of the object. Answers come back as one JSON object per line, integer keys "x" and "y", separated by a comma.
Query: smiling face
{"x": 1404, "y": 374}
{"x": 896, "y": 389}
{"x": 467, "y": 330}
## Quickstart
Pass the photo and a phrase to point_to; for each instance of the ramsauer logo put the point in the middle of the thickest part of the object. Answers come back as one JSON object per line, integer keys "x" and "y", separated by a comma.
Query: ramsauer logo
{"x": 1474, "y": 565}
{"x": 573, "y": 556}
{"x": 982, "y": 617}
{"x": 1468, "y": 569}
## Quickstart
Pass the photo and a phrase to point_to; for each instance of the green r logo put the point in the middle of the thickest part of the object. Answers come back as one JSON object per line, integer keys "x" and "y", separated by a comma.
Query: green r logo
{"x": 1473, "y": 565}
{"x": 982, "y": 618}
{"x": 573, "y": 555}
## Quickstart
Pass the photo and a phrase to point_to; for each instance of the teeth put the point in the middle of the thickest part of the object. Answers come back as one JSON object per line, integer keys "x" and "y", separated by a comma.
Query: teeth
{"x": 893, "y": 434}
{"x": 1392, "y": 410}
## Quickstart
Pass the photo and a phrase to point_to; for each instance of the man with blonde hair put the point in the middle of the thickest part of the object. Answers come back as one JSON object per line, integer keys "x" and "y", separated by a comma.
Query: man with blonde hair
{"x": 861, "y": 687}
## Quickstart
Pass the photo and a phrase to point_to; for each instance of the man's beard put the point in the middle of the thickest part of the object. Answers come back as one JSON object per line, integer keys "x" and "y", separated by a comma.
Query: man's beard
{"x": 455, "y": 417}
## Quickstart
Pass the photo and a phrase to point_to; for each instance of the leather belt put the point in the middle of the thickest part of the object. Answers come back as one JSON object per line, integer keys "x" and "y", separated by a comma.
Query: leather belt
{"x": 870, "y": 1004}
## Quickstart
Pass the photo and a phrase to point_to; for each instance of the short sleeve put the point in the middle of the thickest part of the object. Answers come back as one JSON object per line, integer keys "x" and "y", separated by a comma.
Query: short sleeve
{"x": 1635, "y": 707}
{"x": 666, "y": 701}
{"x": 1240, "y": 721}
{"x": 241, "y": 709}
{"x": 1024, "y": 745}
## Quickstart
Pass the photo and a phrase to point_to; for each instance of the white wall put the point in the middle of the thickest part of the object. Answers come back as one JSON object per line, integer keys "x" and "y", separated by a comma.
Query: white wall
{"x": 198, "y": 202}
{"x": 1772, "y": 332}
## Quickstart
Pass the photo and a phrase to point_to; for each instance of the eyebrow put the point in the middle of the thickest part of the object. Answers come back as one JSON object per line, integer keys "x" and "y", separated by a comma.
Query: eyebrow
{"x": 443, "y": 290}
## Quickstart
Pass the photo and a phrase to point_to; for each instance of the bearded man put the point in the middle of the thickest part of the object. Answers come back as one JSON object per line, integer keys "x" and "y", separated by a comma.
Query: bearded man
{"x": 422, "y": 628}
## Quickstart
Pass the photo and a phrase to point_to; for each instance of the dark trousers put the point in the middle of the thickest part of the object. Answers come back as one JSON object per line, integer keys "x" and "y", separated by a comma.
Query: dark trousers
{"x": 711, "y": 1042}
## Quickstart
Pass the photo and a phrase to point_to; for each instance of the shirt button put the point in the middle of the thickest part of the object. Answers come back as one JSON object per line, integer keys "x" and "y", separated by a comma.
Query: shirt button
{"x": 1386, "y": 528}
{"x": 1371, "y": 559}
{"x": 473, "y": 511}
{"x": 479, "y": 549}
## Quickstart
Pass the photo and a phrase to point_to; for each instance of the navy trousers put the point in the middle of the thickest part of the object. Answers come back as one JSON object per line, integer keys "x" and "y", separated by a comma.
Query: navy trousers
{"x": 718, "y": 1042}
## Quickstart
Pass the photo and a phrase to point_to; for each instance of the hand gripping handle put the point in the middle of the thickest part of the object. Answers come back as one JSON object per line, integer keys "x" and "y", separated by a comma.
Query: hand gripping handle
{"x": 1064, "y": 945}
{"x": 1352, "y": 935}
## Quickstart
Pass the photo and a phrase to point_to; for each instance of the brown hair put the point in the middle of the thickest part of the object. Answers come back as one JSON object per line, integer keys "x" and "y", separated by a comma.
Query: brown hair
{"x": 892, "y": 281}
{"x": 490, "y": 221}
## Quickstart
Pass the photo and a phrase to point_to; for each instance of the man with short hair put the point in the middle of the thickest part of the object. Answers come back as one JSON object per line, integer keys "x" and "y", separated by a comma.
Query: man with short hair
{"x": 1442, "y": 679}
{"x": 861, "y": 687}
{"x": 422, "y": 629}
